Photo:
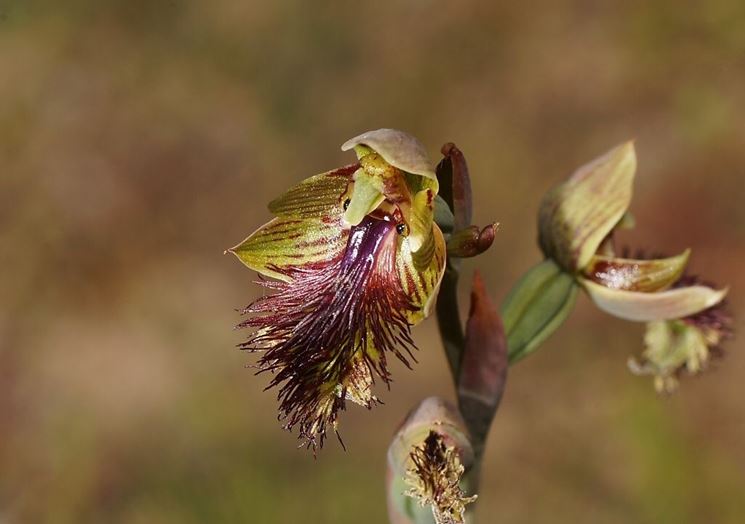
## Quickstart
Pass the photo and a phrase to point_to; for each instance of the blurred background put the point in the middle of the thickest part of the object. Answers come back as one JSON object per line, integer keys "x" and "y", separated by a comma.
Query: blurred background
{"x": 140, "y": 138}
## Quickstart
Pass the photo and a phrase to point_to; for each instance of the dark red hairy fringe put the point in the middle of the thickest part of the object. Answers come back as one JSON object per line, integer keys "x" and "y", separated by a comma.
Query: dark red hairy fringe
{"x": 717, "y": 317}
{"x": 311, "y": 328}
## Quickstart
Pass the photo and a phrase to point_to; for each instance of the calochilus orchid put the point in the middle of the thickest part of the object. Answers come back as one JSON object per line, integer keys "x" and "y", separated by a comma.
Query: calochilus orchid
{"x": 577, "y": 220}
{"x": 356, "y": 260}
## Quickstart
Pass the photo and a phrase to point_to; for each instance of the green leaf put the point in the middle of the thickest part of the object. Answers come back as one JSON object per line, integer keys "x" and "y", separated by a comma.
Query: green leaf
{"x": 537, "y": 305}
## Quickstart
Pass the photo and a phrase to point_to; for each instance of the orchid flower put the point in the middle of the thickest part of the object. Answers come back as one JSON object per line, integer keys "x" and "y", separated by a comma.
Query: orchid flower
{"x": 357, "y": 260}
{"x": 577, "y": 220}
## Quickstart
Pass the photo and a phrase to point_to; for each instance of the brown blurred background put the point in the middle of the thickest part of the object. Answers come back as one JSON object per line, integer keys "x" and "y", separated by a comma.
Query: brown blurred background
{"x": 140, "y": 138}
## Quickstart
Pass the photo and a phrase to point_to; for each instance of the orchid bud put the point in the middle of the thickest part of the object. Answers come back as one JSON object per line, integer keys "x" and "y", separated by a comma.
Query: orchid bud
{"x": 471, "y": 241}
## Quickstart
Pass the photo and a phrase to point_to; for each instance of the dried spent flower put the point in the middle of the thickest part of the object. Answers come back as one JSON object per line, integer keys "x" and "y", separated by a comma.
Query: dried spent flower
{"x": 434, "y": 480}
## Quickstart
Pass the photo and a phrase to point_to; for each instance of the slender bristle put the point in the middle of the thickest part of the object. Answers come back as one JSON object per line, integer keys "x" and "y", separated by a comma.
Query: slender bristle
{"x": 325, "y": 334}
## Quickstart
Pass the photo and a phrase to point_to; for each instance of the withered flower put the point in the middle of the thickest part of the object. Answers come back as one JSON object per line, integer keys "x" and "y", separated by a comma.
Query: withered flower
{"x": 357, "y": 260}
{"x": 434, "y": 480}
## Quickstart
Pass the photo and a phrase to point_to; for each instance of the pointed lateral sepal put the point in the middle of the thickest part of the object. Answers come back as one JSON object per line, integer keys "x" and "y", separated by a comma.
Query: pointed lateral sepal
{"x": 399, "y": 149}
{"x": 537, "y": 305}
{"x": 283, "y": 245}
{"x": 646, "y": 307}
{"x": 421, "y": 218}
{"x": 636, "y": 275}
{"x": 315, "y": 197}
{"x": 576, "y": 216}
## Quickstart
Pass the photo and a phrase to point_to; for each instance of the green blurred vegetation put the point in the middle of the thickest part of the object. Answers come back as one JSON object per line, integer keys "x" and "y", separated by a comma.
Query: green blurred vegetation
{"x": 139, "y": 139}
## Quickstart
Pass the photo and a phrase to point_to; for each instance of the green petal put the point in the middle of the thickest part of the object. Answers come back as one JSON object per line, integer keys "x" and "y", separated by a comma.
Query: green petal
{"x": 421, "y": 285}
{"x": 315, "y": 197}
{"x": 636, "y": 275}
{"x": 399, "y": 149}
{"x": 365, "y": 198}
{"x": 284, "y": 244}
{"x": 576, "y": 216}
{"x": 375, "y": 181}
{"x": 421, "y": 219}
{"x": 647, "y": 307}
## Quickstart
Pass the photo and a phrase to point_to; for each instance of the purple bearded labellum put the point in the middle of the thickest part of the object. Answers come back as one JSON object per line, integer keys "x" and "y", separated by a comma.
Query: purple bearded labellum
{"x": 348, "y": 290}
{"x": 686, "y": 344}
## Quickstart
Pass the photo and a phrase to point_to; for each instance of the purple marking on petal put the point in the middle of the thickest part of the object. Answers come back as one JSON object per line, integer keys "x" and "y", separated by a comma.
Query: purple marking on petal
{"x": 316, "y": 330}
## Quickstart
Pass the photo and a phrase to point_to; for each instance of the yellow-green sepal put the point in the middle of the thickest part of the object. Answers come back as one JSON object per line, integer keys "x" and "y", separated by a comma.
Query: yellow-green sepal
{"x": 315, "y": 197}
{"x": 419, "y": 283}
{"x": 538, "y": 304}
{"x": 636, "y": 275}
{"x": 284, "y": 244}
{"x": 647, "y": 307}
{"x": 399, "y": 149}
{"x": 576, "y": 216}
{"x": 420, "y": 222}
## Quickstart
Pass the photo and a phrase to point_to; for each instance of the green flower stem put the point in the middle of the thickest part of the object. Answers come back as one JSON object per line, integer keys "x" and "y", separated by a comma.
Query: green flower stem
{"x": 448, "y": 319}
